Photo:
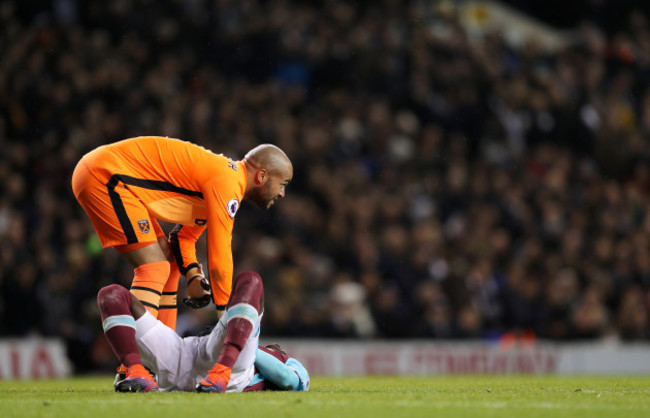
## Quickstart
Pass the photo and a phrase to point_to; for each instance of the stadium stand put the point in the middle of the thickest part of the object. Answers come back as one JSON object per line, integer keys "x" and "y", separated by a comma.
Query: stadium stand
{"x": 445, "y": 187}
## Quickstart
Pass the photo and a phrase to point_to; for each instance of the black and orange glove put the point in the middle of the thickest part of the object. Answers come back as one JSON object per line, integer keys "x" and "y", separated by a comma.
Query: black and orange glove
{"x": 198, "y": 291}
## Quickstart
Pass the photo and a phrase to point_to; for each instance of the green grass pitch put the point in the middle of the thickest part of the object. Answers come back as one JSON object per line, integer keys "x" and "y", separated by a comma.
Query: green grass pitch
{"x": 375, "y": 397}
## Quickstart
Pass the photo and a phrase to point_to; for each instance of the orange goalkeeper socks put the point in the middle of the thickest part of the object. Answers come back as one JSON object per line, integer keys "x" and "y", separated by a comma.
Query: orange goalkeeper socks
{"x": 168, "y": 308}
{"x": 148, "y": 283}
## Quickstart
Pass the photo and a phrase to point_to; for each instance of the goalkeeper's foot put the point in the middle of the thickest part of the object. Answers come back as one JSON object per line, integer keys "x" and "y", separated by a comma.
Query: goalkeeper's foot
{"x": 138, "y": 379}
{"x": 216, "y": 381}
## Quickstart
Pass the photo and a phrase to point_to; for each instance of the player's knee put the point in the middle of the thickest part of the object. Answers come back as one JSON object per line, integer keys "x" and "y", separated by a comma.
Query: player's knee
{"x": 249, "y": 280}
{"x": 248, "y": 289}
{"x": 113, "y": 295}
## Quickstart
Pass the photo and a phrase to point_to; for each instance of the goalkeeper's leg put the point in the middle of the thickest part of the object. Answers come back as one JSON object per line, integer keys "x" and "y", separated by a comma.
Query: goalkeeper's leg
{"x": 244, "y": 307}
{"x": 168, "y": 309}
{"x": 151, "y": 270}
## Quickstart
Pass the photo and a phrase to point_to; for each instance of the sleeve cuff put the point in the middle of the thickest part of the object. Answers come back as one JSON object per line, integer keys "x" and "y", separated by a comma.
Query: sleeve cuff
{"x": 184, "y": 270}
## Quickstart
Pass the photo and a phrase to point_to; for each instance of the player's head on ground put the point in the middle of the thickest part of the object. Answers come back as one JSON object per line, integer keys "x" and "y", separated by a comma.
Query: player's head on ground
{"x": 277, "y": 348}
{"x": 269, "y": 172}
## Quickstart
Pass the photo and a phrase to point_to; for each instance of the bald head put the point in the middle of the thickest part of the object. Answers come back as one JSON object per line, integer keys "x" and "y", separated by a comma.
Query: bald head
{"x": 269, "y": 171}
{"x": 269, "y": 157}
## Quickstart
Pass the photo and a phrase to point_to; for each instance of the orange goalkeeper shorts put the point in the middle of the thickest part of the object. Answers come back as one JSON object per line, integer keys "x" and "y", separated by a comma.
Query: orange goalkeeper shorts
{"x": 118, "y": 216}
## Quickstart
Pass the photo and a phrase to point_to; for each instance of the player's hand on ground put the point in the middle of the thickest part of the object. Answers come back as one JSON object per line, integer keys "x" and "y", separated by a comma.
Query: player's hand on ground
{"x": 198, "y": 290}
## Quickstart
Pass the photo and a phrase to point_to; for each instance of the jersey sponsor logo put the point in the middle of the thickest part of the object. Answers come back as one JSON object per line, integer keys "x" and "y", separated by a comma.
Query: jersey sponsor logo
{"x": 144, "y": 226}
{"x": 232, "y": 206}
{"x": 231, "y": 164}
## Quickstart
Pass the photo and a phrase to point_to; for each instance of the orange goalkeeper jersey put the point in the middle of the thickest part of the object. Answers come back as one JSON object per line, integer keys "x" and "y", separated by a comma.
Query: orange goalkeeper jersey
{"x": 182, "y": 183}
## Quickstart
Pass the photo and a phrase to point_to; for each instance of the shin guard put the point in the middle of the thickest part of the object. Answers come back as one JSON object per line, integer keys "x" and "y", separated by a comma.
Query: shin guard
{"x": 148, "y": 283}
{"x": 168, "y": 308}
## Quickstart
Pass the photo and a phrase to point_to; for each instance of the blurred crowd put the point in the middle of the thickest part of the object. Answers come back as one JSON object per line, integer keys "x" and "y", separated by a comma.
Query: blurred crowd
{"x": 445, "y": 187}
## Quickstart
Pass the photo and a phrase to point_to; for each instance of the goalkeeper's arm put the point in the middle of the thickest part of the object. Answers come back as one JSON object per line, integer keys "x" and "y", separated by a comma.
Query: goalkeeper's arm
{"x": 182, "y": 241}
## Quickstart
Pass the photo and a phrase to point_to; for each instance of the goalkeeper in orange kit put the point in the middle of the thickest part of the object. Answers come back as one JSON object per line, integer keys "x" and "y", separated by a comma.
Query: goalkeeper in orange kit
{"x": 125, "y": 187}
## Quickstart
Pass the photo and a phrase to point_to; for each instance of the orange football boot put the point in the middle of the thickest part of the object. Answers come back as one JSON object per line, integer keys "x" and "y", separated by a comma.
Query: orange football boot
{"x": 138, "y": 379}
{"x": 216, "y": 381}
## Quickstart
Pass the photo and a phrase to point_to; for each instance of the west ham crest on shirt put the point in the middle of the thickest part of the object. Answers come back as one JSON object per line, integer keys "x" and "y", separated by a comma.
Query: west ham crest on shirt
{"x": 144, "y": 226}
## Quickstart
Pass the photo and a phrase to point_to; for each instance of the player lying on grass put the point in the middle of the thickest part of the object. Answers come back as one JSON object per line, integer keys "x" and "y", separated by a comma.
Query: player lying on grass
{"x": 228, "y": 359}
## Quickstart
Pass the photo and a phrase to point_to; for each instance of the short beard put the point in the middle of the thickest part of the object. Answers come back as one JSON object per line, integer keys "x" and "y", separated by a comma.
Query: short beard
{"x": 257, "y": 196}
